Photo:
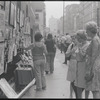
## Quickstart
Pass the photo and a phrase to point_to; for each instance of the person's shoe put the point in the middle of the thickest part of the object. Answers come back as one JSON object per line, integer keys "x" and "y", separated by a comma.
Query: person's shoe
{"x": 46, "y": 72}
{"x": 64, "y": 63}
{"x": 44, "y": 88}
{"x": 51, "y": 72}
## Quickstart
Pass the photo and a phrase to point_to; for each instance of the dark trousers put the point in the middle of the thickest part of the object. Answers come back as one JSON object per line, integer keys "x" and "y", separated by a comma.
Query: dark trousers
{"x": 65, "y": 49}
{"x": 74, "y": 88}
{"x": 61, "y": 47}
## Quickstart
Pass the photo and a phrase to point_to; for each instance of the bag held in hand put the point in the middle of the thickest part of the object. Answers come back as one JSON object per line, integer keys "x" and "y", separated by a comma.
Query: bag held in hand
{"x": 89, "y": 77}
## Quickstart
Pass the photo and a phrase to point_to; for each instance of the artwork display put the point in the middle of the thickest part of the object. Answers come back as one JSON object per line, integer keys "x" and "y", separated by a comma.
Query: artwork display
{"x": 2, "y": 25}
{"x": 11, "y": 16}
{"x": 15, "y": 17}
{"x": 10, "y": 52}
{"x": 18, "y": 15}
{"x": 1, "y": 58}
{"x": 7, "y": 6}
{"x": 2, "y": 4}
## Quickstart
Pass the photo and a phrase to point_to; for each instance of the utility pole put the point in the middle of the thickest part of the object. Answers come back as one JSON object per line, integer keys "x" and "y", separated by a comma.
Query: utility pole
{"x": 63, "y": 15}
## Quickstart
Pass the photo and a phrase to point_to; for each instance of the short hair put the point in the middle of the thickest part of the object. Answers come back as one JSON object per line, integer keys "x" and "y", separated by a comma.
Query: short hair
{"x": 73, "y": 35}
{"x": 67, "y": 33}
{"x": 92, "y": 27}
{"x": 81, "y": 34}
{"x": 49, "y": 36}
{"x": 38, "y": 37}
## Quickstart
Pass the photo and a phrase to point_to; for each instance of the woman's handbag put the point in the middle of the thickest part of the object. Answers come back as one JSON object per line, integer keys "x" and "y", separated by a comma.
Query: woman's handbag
{"x": 89, "y": 76}
{"x": 68, "y": 58}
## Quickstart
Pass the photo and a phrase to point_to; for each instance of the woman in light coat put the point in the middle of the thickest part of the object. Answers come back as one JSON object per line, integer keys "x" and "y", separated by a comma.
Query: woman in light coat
{"x": 81, "y": 61}
{"x": 71, "y": 74}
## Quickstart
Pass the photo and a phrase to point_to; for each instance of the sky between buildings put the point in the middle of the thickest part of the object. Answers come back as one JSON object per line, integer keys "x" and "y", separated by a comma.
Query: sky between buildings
{"x": 55, "y": 9}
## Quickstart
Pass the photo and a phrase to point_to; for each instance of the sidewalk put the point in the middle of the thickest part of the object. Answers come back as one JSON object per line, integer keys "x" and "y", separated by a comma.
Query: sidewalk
{"x": 57, "y": 85}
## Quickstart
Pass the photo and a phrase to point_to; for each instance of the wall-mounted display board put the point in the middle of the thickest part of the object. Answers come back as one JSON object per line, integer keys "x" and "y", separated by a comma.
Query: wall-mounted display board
{"x": 22, "y": 19}
{"x": 18, "y": 15}
{"x": 11, "y": 14}
{"x": 7, "y": 6}
{"x": 15, "y": 16}
{"x": 2, "y": 5}
{"x": 1, "y": 58}
{"x": 2, "y": 25}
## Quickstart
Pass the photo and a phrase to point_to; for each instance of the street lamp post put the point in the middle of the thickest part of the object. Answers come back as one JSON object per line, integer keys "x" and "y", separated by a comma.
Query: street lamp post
{"x": 63, "y": 15}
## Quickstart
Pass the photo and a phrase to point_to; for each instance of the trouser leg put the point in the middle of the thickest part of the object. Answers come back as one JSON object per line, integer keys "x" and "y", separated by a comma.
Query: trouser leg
{"x": 37, "y": 74}
{"x": 43, "y": 80}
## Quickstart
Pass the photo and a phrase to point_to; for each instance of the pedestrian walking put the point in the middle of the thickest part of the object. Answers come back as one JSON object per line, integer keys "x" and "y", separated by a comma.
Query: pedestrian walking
{"x": 67, "y": 42}
{"x": 81, "y": 61}
{"x": 93, "y": 61}
{"x": 38, "y": 50}
{"x": 51, "y": 49}
{"x": 62, "y": 43}
{"x": 71, "y": 74}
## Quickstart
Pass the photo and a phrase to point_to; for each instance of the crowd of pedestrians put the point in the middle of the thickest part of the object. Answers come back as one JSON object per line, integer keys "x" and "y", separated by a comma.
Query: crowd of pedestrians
{"x": 43, "y": 53}
{"x": 81, "y": 49}
{"x": 84, "y": 64}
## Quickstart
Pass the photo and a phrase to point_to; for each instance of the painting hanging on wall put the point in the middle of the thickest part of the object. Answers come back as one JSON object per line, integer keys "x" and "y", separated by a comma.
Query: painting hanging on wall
{"x": 18, "y": 15}
{"x": 2, "y": 25}
{"x": 2, "y": 4}
{"x": 15, "y": 17}
{"x": 7, "y": 6}
{"x": 21, "y": 18}
{"x": 11, "y": 14}
{"x": 1, "y": 58}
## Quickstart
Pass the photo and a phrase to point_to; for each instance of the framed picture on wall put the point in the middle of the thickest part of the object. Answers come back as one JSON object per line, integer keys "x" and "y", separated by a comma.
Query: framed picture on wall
{"x": 11, "y": 14}
{"x": 15, "y": 16}
{"x": 2, "y": 45}
{"x": 10, "y": 33}
{"x": 14, "y": 33}
{"x": 21, "y": 18}
{"x": 18, "y": 15}
{"x": 7, "y": 7}
{"x": 2, "y": 4}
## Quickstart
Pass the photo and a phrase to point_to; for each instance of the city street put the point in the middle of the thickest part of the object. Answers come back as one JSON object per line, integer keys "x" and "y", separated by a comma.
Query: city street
{"x": 25, "y": 26}
{"x": 57, "y": 85}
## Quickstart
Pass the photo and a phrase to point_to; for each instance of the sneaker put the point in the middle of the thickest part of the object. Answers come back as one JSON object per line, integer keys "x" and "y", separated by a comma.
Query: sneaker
{"x": 64, "y": 63}
{"x": 46, "y": 72}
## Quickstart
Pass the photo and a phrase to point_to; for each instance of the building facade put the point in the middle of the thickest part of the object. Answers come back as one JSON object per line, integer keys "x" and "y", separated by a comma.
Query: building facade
{"x": 53, "y": 25}
{"x": 40, "y": 16}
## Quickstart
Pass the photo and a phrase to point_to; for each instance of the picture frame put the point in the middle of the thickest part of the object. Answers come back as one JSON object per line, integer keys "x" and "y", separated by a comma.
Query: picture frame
{"x": 2, "y": 45}
{"x": 14, "y": 33}
{"x": 18, "y": 15}
{"x": 10, "y": 33}
{"x": 15, "y": 17}
{"x": 11, "y": 14}
{"x": 2, "y": 25}
{"x": 7, "y": 7}
{"x": 22, "y": 19}
{"x": 2, "y": 4}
